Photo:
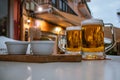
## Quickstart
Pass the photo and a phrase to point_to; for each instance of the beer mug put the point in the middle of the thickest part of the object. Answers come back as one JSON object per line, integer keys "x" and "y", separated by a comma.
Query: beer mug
{"x": 93, "y": 46}
{"x": 69, "y": 41}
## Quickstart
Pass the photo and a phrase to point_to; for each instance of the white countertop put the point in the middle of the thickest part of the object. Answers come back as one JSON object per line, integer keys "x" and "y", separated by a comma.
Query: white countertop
{"x": 85, "y": 70}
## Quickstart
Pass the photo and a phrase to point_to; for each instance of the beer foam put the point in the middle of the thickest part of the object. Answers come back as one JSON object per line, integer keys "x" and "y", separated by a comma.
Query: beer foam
{"x": 92, "y": 21}
{"x": 74, "y": 28}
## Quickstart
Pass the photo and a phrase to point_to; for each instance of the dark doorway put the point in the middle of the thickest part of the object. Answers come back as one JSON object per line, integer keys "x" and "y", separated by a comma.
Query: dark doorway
{"x": 4, "y": 17}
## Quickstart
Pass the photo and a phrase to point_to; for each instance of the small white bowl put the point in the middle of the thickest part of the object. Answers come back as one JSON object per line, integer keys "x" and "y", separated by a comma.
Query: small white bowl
{"x": 17, "y": 47}
{"x": 42, "y": 47}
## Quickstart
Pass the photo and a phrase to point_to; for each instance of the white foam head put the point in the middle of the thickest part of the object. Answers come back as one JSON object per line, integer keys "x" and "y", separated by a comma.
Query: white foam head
{"x": 92, "y": 21}
{"x": 74, "y": 28}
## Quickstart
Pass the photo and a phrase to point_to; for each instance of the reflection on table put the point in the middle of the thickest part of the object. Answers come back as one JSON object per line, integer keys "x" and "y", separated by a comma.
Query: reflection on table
{"x": 85, "y": 70}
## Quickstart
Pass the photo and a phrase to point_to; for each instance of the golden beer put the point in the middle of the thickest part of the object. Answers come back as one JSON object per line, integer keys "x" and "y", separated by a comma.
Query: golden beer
{"x": 93, "y": 39}
{"x": 73, "y": 38}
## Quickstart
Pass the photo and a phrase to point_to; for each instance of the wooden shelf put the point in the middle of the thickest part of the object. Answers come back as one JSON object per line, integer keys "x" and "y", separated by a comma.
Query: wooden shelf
{"x": 41, "y": 59}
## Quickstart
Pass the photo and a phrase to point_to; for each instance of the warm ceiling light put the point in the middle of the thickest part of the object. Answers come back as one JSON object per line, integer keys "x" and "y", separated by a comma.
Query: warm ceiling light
{"x": 28, "y": 21}
{"x": 58, "y": 29}
{"x": 40, "y": 9}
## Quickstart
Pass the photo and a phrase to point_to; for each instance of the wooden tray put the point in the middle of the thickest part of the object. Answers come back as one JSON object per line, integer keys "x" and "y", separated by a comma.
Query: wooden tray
{"x": 41, "y": 59}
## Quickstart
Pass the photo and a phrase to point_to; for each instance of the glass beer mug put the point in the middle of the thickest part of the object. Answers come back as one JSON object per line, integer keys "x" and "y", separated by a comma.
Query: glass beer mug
{"x": 69, "y": 41}
{"x": 93, "y": 46}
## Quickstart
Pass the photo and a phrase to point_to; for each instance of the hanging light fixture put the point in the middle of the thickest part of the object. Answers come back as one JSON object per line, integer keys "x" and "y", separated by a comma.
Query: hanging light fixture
{"x": 28, "y": 20}
{"x": 40, "y": 9}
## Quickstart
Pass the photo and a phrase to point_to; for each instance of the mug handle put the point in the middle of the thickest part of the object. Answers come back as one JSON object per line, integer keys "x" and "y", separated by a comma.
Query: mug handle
{"x": 113, "y": 43}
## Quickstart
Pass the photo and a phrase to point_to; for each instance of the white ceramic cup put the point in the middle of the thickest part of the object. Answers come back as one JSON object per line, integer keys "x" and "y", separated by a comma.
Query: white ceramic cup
{"x": 42, "y": 47}
{"x": 17, "y": 47}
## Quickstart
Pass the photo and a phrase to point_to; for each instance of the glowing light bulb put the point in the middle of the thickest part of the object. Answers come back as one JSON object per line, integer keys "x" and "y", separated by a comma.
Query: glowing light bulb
{"x": 28, "y": 21}
{"x": 40, "y": 9}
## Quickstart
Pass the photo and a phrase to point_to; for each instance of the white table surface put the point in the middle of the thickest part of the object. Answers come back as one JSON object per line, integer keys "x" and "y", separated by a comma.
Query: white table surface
{"x": 85, "y": 70}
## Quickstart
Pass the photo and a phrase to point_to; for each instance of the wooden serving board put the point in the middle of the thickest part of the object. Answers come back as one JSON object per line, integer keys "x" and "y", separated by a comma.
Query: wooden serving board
{"x": 41, "y": 59}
